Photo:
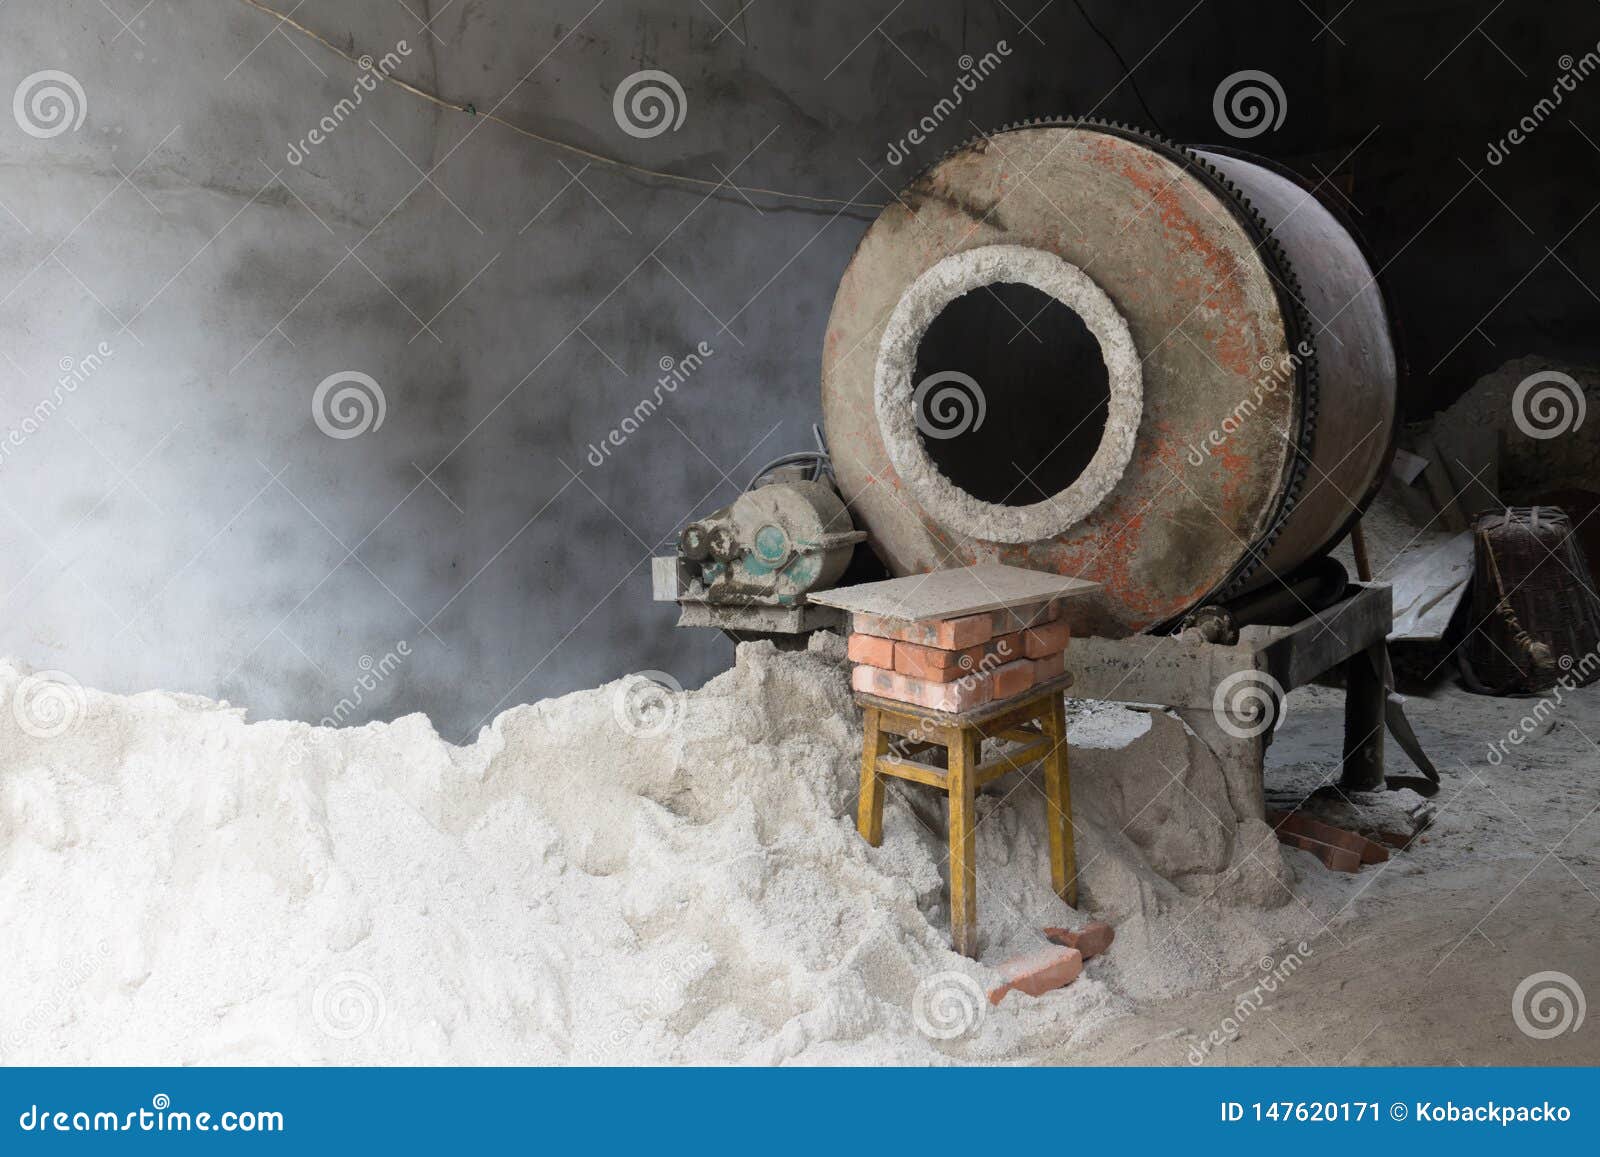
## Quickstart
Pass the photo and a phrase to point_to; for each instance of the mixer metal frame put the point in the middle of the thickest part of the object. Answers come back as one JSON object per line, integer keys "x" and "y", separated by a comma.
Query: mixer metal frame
{"x": 1193, "y": 678}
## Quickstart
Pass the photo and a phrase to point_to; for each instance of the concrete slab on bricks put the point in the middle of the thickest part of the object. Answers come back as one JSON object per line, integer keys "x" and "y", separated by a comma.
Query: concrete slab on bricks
{"x": 946, "y": 594}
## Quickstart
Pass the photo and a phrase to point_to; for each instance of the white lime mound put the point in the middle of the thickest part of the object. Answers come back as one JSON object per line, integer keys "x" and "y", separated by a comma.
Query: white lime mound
{"x": 582, "y": 884}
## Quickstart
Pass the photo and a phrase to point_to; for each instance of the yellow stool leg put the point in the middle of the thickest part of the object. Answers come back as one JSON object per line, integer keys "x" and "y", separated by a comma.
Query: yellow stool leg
{"x": 1058, "y": 806}
{"x": 869, "y": 808}
{"x": 964, "y": 747}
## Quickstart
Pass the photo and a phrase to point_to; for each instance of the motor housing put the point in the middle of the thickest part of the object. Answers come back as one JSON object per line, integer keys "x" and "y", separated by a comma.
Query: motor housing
{"x": 749, "y": 565}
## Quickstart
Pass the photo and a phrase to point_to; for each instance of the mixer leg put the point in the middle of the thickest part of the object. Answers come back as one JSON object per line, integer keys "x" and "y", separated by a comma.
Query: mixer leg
{"x": 1364, "y": 702}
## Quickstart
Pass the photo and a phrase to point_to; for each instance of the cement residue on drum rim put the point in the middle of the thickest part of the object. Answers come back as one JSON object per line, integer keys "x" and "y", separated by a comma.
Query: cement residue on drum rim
{"x": 894, "y": 391}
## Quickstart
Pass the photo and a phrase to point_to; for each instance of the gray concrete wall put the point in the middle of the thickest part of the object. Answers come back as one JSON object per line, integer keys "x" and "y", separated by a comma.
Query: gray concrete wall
{"x": 175, "y": 517}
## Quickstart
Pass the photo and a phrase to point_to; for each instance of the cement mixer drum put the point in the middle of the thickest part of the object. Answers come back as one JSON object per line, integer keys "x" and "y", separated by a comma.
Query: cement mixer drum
{"x": 1074, "y": 346}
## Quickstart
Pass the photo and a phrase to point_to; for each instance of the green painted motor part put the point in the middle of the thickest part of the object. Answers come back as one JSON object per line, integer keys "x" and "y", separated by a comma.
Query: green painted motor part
{"x": 770, "y": 547}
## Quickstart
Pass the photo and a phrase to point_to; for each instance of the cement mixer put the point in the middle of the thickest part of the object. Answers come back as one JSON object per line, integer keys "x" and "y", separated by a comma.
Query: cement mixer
{"x": 1074, "y": 346}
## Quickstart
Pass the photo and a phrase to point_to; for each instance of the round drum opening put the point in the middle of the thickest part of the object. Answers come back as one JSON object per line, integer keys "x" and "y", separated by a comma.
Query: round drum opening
{"x": 1007, "y": 441}
{"x": 1012, "y": 393}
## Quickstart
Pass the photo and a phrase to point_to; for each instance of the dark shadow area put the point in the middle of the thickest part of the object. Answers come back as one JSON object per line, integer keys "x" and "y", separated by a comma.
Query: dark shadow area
{"x": 1042, "y": 394}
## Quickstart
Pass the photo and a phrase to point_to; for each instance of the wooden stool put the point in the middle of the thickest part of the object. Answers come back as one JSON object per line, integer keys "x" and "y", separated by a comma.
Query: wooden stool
{"x": 962, "y": 736}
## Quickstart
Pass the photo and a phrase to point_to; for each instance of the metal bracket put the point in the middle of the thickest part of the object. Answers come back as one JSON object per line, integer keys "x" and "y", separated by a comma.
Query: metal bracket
{"x": 1187, "y": 674}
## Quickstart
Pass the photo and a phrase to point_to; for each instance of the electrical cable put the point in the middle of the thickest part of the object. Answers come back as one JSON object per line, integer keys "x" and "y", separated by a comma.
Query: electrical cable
{"x": 821, "y": 461}
{"x": 1127, "y": 73}
{"x": 792, "y": 459}
{"x": 577, "y": 150}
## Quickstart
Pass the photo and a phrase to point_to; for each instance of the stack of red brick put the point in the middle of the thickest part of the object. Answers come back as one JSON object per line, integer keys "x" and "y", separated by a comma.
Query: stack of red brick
{"x": 958, "y": 664}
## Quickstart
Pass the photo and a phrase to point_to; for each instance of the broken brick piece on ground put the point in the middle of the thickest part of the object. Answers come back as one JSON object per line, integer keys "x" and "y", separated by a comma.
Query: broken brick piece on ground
{"x": 1090, "y": 940}
{"x": 871, "y": 650}
{"x": 1338, "y": 859}
{"x": 1038, "y": 972}
{"x": 1300, "y": 824}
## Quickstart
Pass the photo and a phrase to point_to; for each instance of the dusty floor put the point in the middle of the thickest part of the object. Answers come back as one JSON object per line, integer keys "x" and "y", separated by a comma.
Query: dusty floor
{"x": 1421, "y": 965}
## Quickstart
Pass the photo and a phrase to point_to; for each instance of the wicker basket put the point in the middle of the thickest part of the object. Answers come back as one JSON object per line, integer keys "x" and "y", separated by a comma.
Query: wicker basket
{"x": 1535, "y": 613}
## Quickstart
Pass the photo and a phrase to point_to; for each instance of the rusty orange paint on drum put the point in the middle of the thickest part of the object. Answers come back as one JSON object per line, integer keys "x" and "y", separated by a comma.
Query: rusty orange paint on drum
{"x": 1230, "y": 340}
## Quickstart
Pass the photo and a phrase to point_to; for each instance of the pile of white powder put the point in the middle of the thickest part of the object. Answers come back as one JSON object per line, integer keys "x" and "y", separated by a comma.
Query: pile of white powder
{"x": 616, "y": 876}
